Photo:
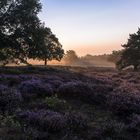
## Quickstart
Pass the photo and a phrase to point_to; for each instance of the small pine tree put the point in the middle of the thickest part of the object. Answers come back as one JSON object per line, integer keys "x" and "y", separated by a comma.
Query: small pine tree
{"x": 131, "y": 53}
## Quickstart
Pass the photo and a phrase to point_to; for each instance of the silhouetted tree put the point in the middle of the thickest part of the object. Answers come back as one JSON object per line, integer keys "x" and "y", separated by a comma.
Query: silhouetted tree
{"x": 23, "y": 36}
{"x": 70, "y": 57}
{"x": 47, "y": 47}
{"x": 131, "y": 53}
{"x": 18, "y": 21}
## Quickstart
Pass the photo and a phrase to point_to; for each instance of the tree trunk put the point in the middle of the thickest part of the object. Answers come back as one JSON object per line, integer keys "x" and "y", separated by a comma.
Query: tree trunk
{"x": 45, "y": 62}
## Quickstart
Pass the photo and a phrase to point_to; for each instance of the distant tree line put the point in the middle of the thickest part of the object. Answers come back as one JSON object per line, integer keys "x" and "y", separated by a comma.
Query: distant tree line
{"x": 23, "y": 36}
{"x": 71, "y": 58}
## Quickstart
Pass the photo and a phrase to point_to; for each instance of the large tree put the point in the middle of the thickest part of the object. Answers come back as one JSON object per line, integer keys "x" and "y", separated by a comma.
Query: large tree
{"x": 46, "y": 46}
{"x": 18, "y": 21}
{"x": 23, "y": 36}
{"x": 131, "y": 53}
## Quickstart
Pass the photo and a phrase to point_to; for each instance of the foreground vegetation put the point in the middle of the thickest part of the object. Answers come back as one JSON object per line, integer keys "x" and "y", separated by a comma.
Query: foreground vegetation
{"x": 69, "y": 103}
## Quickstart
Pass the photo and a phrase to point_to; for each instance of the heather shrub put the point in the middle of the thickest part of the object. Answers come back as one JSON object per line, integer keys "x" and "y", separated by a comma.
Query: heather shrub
{"x": 100, "y": 93}
{"x": 12, "y": 80}
{"x": 24, "y": 77}
{"x": 134, "y": 126}
{"x": 31, "y": 133}
{"x": 88, "y": 92}
{"x": 104, "y": 79}
{"x": 124, "y": 104}
{"x": 53, "y": 103}
{"x": 9, "y": 99}
{"x": 50, "y": 121}
{"x": 76, "y": 90}
{"x": 3, "y": 88}
{"x": 36, "y": 104}
{"x": 44, "y": 120}
{"x": 128, "y": 88}
{"x": 54, "y": 81}
{"x": 111, "y": 130}
{"x": 52, "y": 78}
{"x": 8, "y": 70}
{"x": 35, "y": 89}
{"x": 55, "y": 84}
{"x": 76, "y": 122}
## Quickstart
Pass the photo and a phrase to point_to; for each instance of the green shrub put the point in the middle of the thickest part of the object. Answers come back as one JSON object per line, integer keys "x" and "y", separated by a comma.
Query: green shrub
{"x": 58, "y": 104}
{"x": 10, "y": 129}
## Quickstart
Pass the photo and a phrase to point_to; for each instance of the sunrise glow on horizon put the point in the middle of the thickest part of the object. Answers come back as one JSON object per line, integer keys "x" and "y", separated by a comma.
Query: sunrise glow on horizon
{"x": 91, "y": 26}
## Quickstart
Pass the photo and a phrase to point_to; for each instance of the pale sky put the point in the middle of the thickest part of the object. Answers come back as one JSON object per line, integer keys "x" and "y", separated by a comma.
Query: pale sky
{"x": 91, "y": 26}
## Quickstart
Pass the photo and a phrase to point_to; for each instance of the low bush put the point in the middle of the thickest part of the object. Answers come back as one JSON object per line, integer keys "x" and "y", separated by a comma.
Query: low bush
{"x": 9, "y": 99}
{"x": 50, "y": 121}
{"x": 134, "y": 126}
{"x": 124, "y": 104}
{"x": 55, "y": 84}
{"x": 111, "y": 130}
{"x": 57, "y": 104}
{"x": 35, "y": 89}
{"x": 76, "y": 122}
{"x": 10, "y": 129}
{"x": 88, "y": 92}
{"x": 12, "y": 80}
{"x": 76, "y": 90}
{"x": 100, "y": 93}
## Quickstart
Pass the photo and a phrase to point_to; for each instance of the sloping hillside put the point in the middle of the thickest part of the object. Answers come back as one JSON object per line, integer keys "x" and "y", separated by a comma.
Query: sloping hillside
{"x": 69, "y": 103}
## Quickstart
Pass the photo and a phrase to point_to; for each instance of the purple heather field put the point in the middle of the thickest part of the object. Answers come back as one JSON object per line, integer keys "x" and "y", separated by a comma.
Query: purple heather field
{"x": 69, "y": 103}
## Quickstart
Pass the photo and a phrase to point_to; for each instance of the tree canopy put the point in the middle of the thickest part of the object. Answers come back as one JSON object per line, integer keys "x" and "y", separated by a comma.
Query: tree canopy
{"x": 131, "y": 53}
{"x": 18, "y": 21}
{"x": 21, "y": 32}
